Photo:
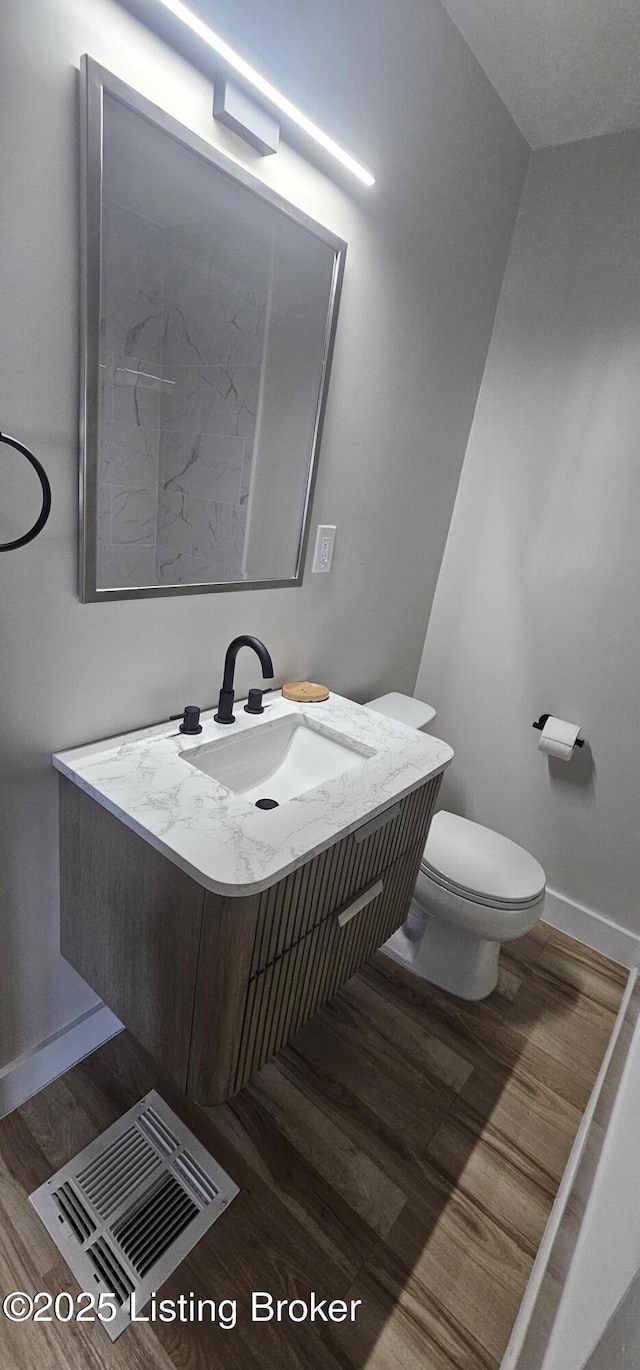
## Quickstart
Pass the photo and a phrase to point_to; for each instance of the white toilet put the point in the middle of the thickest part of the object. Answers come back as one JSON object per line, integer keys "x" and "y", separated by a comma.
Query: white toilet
{"x": 475, "y": 890}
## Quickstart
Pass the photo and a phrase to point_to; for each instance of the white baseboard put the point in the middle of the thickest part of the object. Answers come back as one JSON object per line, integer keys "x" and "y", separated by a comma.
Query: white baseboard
{"x": 535, "y": 1324}
{"x": 34, "y": 1069}
{"x": 592, "y": 928}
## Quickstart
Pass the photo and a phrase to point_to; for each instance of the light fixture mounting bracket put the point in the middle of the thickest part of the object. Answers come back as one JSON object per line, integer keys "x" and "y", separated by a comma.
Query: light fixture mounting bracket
{"x": 246, "y": 118}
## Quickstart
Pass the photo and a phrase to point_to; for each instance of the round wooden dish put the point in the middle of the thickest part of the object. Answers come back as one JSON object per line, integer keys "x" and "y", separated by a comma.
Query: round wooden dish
{"x": 304, "y": 692}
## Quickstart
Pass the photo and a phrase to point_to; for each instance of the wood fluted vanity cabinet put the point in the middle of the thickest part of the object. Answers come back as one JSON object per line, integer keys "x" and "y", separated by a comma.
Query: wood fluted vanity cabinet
{"x": 212, "y": 986}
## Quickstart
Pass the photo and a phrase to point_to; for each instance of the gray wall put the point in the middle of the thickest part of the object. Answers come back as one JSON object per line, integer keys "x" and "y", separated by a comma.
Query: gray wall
{"x": 427, "y": 248}
{"x": 619, "y": 1347}
{"x": 537, "y": 603}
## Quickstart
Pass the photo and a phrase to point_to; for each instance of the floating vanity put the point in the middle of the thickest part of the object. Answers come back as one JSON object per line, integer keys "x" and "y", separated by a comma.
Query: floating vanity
{"x": 212, "y": 927}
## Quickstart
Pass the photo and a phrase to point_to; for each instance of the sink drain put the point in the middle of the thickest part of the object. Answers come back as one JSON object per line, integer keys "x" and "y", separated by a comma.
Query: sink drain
{"x": 266, "y": 803}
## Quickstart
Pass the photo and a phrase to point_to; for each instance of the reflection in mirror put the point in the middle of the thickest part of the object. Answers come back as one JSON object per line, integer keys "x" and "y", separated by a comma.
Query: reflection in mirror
{"x": 216, "y": 312}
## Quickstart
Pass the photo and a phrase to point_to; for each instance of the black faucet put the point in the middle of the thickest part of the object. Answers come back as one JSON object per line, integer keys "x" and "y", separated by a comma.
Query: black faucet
{"x": 225, "y": 702}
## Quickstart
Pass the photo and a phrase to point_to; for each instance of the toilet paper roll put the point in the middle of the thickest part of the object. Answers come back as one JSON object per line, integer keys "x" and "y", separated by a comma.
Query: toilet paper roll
{"x": 558, "y": 738}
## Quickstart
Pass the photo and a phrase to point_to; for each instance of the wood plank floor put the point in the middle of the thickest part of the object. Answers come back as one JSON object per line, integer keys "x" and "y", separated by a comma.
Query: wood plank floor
{"x": 404, "y": 1150}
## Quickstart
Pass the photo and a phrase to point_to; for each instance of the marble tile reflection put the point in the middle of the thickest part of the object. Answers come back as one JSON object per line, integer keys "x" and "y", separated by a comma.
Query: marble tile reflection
{"x": 182, "y": 365}
{"x": 105, "y": 392}
{"x": 224, "y": 326}
{"x": 229, "y": 400}
{"x": 133, "y": 278}
{"x": 133, "y": 515}
{"x": 103, "y": 513}
{"x": 131, "y": 319}
{"x": 128, "y": 455}
{"x": 179, "y": 568}
{"x": 202, "y": 464}
{"x": 232, "y": 243}
{"x": 180, "y": 402}
{"x": 125, "y": 566}
{"x": 218, "y": 532}
{"x": 245, "y": 479}
{"x": 137, "y": 392}
{"x": 222, "y": 400}
{"x": 175, "y": 521}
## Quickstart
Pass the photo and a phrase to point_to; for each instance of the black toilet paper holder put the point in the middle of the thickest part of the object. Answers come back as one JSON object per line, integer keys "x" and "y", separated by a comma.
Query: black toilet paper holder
{"x": 579, "y": 742}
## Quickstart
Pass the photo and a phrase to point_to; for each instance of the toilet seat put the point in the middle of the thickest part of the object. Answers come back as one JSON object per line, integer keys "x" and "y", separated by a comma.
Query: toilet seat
{"x": 478, "y": 864}
{"x": 471, "y": 895}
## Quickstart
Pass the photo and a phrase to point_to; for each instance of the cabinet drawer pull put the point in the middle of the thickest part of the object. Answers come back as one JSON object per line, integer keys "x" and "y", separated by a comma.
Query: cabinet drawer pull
{"x": 360, "y": 903}
{"x": 387, "y": 816}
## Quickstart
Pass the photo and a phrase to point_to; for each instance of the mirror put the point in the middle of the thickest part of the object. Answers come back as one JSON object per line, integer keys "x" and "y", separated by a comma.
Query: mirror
{"x": 209, "y": 309}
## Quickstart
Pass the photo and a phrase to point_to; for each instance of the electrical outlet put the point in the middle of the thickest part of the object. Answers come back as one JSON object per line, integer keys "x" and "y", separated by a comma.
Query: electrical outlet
{"x": 325, "y": 542}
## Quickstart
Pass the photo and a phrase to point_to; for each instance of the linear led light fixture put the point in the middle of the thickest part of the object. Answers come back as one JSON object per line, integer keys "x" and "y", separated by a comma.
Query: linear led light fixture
{"x": 265, "y": 88}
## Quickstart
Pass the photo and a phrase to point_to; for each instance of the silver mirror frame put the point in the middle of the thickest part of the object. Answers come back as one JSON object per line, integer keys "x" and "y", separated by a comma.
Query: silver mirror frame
{"x": 95, "y": 80}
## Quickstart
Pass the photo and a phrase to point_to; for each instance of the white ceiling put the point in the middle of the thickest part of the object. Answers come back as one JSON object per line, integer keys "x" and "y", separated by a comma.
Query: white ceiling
{"x": 566, "y": 69}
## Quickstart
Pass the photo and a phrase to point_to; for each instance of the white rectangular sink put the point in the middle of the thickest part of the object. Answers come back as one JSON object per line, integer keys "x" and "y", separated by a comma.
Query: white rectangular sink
{"x": 278, "y": 761}
{"x": 329, "y": 767}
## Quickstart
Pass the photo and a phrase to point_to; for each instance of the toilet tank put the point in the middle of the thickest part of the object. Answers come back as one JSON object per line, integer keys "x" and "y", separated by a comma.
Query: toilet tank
{"x": 413, "y": 712}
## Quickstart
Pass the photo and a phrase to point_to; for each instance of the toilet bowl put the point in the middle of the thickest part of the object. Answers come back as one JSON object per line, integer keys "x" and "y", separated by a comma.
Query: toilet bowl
{"x": 475, "y": 890}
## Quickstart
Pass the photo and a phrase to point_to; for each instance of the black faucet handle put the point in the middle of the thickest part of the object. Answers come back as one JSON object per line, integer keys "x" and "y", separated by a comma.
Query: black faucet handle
{"x": 225, "y": 712}
{"x": 190, "y": 716}
{"x": 254, "y": 703}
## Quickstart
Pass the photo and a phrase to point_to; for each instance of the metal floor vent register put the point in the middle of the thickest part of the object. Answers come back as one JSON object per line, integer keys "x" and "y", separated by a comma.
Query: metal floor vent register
{"x": 126, "y": 1211}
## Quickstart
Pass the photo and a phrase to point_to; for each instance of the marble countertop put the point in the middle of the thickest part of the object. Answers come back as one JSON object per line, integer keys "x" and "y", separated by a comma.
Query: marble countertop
{"x": 220, "y": 839}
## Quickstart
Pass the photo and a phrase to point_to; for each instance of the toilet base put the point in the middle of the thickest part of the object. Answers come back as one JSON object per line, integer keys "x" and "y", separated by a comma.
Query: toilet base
{"x": 447, "y": 956}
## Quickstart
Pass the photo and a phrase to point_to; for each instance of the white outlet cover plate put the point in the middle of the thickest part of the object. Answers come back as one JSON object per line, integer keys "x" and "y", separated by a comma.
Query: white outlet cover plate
{"x": 325, "y": 543}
